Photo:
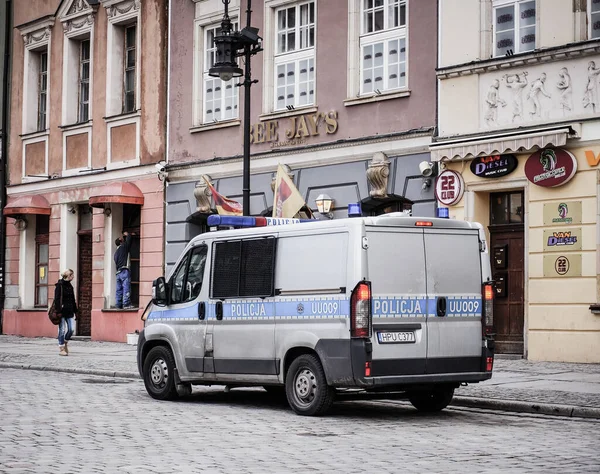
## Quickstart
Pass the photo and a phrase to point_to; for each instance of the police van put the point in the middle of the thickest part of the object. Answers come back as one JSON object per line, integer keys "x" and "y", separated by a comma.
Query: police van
{"x": 392, "y": 304}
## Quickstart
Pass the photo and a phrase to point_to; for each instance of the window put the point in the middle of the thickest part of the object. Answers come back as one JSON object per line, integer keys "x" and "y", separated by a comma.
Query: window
{"x": 514, "y": 27}
{"x": 186, "y": 283}
{"x": 594, "y": 22}
{"x": 382, "y": 46}
{"x": 131, "y": 224}
{"x": 42, "y": 231}
{"x": 129, "y": 69}
{"x": 295, "y": 56}
{"x": 84, "y": 80}
{"x": 220, "y": 97}
{"x": 506, "y": 208}
{"x": 243, "y": 268}
{"x": 42, "y": 90}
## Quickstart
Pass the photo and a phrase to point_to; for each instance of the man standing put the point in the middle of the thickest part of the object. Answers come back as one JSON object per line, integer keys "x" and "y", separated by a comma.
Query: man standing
{"x": 123, "y": 272}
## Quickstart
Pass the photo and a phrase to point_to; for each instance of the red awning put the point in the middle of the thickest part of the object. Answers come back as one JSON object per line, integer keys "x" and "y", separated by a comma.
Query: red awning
{"x": 27, "y": 205}
{"x": 116, "y": 193}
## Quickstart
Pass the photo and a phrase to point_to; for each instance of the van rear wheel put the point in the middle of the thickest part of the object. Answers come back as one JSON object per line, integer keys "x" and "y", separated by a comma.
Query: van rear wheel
{"x": 306, "y": 386}
{"x": 432, "y": 400}
{"x": 159, "y": 374}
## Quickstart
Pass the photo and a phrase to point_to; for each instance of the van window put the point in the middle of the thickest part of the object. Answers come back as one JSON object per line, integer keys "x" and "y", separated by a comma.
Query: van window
{"x": 243, "y": 268}
{"x": 186, "y": 283}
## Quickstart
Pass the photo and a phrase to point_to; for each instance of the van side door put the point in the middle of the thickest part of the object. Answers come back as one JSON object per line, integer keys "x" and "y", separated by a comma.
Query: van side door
{"x": 454, "y": 299}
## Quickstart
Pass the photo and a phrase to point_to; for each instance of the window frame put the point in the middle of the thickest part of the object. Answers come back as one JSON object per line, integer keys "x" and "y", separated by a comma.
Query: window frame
{"x": 129, "y": 70}
{"x": 41, "y": 239}
{"x": 589, "y": 19}
{"x": 132, "y": 214}
{"x": 42, "y": 92}
{"x": 497, "y": 4}
{"x": 185, "y": 267}
{"x": 507, "y": 211}
{"x": 294, "y": 56}
{"x": 84, "y": 81}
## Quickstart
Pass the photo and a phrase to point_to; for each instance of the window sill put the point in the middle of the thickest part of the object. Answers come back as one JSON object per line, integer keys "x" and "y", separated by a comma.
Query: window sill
{"x": 376, "y": 98}
{"x": 214, "y": 126}
{"x": 32, "y": 310}
{"x": 76, "y": 126}
{"x": 287, "y": 113}
{"x": 36, "y": 134}
{"x": 117, "y": 310}
{"x": 129, "y": 115}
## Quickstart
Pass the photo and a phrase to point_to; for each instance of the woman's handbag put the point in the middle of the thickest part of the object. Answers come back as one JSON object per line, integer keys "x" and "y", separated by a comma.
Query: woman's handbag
{"x": 53, "y": 313}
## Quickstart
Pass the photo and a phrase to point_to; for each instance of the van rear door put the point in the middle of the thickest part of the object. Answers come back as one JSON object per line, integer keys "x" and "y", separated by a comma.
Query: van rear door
{"x": 453, "y": 268}
{"x": 396, "y": 266}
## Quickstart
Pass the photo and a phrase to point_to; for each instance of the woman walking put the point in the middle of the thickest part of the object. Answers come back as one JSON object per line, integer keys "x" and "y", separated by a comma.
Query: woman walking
{"x": 64, "y": 295}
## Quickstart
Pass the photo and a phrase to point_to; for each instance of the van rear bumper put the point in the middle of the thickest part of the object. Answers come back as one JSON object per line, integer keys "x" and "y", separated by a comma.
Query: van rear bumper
{"x": 426, "y": 379}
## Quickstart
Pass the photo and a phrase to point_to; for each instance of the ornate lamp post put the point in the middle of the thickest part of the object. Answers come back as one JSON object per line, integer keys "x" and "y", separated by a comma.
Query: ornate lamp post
{"x": 229, "y": 46}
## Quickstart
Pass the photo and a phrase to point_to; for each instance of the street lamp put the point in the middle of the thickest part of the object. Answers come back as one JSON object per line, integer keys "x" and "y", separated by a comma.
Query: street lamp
{"x": 229, "y": 46}
{"x": 324, "y": 203}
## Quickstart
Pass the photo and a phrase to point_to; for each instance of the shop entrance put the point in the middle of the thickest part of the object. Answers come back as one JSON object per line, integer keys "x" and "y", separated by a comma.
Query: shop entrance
{"x": 507, "y": 259}
{"x": 84, "y": 273}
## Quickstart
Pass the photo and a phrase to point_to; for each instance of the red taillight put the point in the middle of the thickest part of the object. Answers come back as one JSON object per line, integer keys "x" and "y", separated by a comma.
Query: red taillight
{"x": 360, "y": 310}
{"x": 424, "y": 224}
{"x": 487, "y": 315}
{"x": 489, "y": 364}
{"x": 367, "y": 369}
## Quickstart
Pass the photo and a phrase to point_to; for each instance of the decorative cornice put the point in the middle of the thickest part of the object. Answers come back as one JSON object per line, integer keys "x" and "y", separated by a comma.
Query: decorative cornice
{"x": 122, "y": 8}
{"x": 77, "y": 6}
{"x": 36, "y": 36}
{"x": 70, "y": 25}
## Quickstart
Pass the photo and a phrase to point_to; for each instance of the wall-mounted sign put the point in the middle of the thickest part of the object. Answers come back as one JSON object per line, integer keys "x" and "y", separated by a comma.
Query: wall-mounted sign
{"x": 567, "y": 265}
{"x": 562, "y": 240}
{"x": 592, "y": 158}
{"x": 550, "y": 167}
{"x": 297, "y": 129}
{"x": 565, "y": 212}
{"x": 449, "y": 187}
{"x": 494, "y": 166}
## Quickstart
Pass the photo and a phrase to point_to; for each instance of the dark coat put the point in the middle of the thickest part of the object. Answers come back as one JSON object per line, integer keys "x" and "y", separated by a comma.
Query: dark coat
{"x": 69, "y": 306}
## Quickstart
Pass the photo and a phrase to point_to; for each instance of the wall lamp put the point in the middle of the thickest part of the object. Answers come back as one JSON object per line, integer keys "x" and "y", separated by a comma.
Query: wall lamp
{"x": 71, "y": 210}
{"x": 20, "y": 223}
{"x": 324, "y": 204}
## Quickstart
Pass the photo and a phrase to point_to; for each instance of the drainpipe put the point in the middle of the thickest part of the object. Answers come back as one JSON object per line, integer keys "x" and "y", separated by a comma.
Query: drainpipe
{"x": 4, "y": 154}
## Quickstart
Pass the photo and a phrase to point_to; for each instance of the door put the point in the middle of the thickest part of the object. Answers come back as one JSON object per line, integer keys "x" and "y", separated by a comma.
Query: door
{"x": 507, "y": 262}
{"x": 84, "y": 271}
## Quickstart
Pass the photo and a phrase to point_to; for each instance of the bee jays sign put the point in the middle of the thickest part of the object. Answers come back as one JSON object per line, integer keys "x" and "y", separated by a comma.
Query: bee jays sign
{"x": 550, "y": 167}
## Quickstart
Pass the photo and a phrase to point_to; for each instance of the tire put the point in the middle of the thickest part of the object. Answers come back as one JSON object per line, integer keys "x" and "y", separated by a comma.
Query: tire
{"x": 159, "y": 374}
{"x": 306, "y": 387}
{"x": 433, "y": 400}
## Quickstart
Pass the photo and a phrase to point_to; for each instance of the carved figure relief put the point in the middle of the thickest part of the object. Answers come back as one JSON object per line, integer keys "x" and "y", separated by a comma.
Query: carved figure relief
{"x": 566, "y": 90}
{"x": 77, "y": 6}
{"x": 202, "y": 195}
{"x": 377, "y": 175}
{"x": 537, "y": 88}
{"x": 516, "y": 82}
{"x": 590, "y": 97}
{"x": 493, "y": 100}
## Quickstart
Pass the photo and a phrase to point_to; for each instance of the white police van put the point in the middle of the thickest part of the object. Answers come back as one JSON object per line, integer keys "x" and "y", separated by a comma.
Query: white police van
{"x": 393, "y": 304}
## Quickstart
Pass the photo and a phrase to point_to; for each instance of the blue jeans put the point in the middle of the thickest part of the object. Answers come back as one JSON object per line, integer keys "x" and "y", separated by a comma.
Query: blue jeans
{"x": 123, "y": 288}
{"x": 65, "y": 330}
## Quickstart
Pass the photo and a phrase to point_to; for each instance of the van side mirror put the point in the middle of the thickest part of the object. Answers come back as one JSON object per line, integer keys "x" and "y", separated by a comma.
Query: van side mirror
{"x": 160, "y": 290}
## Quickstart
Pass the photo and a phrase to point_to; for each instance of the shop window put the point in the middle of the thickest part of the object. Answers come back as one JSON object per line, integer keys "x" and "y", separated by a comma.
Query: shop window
{"x": 514, "y": 26}
{"x": 42, "y": 236}
{"x": 131, "y": 224}
{"x": 186, "y": 283}
{"x": 506, "y": 208}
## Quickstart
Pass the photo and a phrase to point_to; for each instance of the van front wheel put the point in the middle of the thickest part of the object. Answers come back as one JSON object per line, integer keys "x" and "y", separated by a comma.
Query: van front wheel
{"x": 306, "y": 386}
{"x": 159, "y": 374}
{"x": 432, "y": 400}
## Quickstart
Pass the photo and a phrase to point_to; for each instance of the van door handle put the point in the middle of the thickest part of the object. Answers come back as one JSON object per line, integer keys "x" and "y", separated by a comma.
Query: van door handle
{"x": 219, "y": 310}
{"x": 201, "y": 311}
{"x": 441, "y": 306}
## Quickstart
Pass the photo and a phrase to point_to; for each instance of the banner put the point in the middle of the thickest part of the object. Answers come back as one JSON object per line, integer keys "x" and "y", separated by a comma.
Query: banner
{"x": 287, "y": 199}
{"x": 225, "y": 206}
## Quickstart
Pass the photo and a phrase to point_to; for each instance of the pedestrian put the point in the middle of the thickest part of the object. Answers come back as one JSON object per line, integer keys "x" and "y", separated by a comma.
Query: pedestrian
{"x": 64, "y": 297}
{"x": 123, "y": 272}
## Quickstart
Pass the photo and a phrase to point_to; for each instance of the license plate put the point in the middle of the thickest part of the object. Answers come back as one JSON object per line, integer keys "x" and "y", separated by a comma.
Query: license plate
{"x": 396, "y": 337}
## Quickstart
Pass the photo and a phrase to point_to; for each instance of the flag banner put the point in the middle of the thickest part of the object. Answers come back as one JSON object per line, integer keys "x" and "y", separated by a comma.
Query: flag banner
{"x": 287, "y": 200}
{"x": 225, "y": 206}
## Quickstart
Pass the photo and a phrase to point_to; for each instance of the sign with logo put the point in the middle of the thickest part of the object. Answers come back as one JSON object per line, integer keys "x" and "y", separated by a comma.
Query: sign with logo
{"x": 565, "y": 212}
{"x": 562, "y": 240}
{"x": 494, "y": 166}
{"x": 567, "y": 265}
{"x": 550, "y": 167}
{"x": 449, "y": 187}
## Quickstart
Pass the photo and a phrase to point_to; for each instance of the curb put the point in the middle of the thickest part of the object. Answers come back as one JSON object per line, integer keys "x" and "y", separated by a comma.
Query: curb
{"x": 527, "y": 407}
{"x": 102, "y": 373}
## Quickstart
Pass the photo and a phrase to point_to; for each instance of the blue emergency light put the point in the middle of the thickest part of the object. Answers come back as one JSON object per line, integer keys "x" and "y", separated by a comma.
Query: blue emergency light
{"x": 354, "y": 209}
{"x": 442, "y": 212}
{"x": 249, "y": 221}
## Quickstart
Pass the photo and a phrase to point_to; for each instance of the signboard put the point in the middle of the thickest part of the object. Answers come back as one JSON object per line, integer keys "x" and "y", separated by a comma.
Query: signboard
{"x": 565, "y": 212}
{"x": 449, "y": 187}
{"x": 567, "y": 265}
{"x": 494, "y": 166}
{"x": 550, "y": 167}
{"x": 562, "y": 240}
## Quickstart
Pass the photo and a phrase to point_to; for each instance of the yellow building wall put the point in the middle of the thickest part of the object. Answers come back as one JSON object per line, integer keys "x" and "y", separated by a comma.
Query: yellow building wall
{"x": 559, "y": 325}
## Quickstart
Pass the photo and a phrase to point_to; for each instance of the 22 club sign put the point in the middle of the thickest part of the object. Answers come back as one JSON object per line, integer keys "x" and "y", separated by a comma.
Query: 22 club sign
{"x": 550, "y": 167}
{"x": 449, "y": 187}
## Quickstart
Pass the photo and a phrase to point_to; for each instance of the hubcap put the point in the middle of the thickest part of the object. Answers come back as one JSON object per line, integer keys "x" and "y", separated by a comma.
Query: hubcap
{"x": 305, "y": 386}
{"x": 159, "y": 373}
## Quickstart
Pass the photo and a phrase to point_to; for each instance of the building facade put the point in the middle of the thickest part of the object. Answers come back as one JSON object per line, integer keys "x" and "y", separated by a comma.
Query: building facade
{"x": 518, "y": 146}
{"x": 88, "y": 121}
{"x": 345, "y": 101}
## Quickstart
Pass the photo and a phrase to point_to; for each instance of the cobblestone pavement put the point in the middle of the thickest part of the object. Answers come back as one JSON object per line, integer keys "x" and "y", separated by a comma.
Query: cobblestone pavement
{"x": 71, "y": 423}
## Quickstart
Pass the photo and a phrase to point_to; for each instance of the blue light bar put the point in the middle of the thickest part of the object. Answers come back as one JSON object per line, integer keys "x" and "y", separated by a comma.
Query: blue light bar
{"x": 354, "y": 209}
{"x": 216, "y": 220}
{"x": 442, "y": 212}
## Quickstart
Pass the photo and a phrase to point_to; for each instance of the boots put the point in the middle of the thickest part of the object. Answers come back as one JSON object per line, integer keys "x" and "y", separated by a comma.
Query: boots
{"x": 63, "y": 352}
{"x": 67, "y": 347}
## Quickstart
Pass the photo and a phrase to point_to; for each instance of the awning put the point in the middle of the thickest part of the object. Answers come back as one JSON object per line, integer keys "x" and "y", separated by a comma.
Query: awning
{"x": 31, "y": 205}
{"x": 116, "y": 193}
{"x": 498, "y": 144}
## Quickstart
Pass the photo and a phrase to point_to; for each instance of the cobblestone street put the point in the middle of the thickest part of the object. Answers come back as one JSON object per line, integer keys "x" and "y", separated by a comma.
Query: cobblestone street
{"x": 57, "y": 422}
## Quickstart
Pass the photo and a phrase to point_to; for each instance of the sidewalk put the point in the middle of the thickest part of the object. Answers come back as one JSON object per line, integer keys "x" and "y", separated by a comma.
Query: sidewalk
{"x": 550, "y": 388}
